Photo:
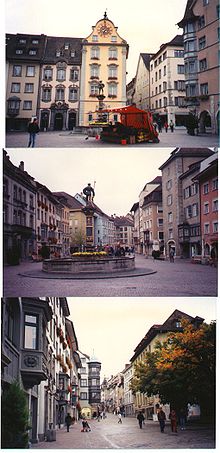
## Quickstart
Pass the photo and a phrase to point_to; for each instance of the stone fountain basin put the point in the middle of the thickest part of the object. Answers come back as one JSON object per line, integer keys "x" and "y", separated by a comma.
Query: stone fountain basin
{"x": 80, "y": 265}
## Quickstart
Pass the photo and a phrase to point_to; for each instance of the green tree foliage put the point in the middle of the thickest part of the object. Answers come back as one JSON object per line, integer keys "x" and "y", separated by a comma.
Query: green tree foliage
{"x": 181, "y": 369}
{"x": 14, "y": 417}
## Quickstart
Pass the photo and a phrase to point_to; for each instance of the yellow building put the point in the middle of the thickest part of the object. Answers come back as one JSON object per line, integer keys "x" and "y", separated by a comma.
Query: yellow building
{"x": 104, "y": 55}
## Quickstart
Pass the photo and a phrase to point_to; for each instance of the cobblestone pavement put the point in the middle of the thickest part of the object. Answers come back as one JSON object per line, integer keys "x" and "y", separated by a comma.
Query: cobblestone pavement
{"x": 109, "y": 433}
{"x": 180, "y": 278}
{"x": 69, "y": 140}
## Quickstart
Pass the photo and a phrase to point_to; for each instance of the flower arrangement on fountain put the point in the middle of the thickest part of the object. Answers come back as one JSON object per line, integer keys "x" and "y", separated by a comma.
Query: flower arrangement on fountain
{"x": 89, "y": 254}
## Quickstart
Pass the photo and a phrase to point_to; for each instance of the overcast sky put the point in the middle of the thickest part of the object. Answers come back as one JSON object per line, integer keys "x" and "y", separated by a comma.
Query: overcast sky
{"x": 111, "y": 328}
{"x": 120, "y": 174}
{"x": 144, "y": 24}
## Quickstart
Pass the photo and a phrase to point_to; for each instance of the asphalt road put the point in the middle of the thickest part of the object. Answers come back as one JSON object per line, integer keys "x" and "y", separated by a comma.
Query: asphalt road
{"x": 109, "y": 433}
{"x": 180, "y": 279}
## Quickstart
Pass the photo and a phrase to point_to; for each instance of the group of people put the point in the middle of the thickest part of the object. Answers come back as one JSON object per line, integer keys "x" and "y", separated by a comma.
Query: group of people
{"x": 158, "y": 126}
{"x": 174, "y": 418}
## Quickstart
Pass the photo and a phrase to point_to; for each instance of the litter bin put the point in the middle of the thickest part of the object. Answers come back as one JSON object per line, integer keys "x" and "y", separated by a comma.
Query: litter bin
{"x": 51, "y": 435}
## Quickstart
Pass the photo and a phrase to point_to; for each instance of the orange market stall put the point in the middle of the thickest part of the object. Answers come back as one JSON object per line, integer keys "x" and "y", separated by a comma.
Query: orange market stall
{"x": 135, "y": 126}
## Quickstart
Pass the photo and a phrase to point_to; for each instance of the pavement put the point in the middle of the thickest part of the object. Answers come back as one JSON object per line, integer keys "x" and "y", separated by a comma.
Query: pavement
{"x": 67, "y": 139}
{"x": 178, "y": 279}
{"x": 108, "y": 433}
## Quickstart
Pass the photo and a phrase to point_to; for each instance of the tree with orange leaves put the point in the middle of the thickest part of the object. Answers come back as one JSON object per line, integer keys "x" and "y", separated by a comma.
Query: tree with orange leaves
{"x": 181, "y": 369}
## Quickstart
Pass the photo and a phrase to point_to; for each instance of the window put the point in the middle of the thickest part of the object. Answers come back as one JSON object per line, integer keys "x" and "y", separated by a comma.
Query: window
{"x": 164, "y": 86}
{"x": 112, "y": 71}
{"x": 215, "y": 227}
{"x": 195, "y": 209}
{"x": 169, "y": 184}
{"x": 206, "y": 228}
{"x": 22, "y": 41}
{"x": 188, "y": 211}
{"x": 94, "y": 71}
{"x": 94, "y": 89}
{"x": 180, "y": 69}
{"x": 113, "y": 53}
{"x": 74, "y": 74}
{"x": 170, "y": 217}
{"x": 160, "y": 222}
{"x": 179, "y": 85}
{"x": 190, "y": 46}
{"x": 155, "y": 76}
{"x": 48, "y": 73}
{"x": 60, "y": 94}
{"x": 27, "y": 105}
{"x": 159, "y": 73}
{"x": 178, "y": 53}
{"x": 15, "y": 87}
{"x": 35, "y": 41}
{"x": 83, "y": 383}
{"x": 164, "y": 56}
{"x": 32, "y": 52}
{"x": 19, "y": 51}
{"x": 113, "y": 38}
{"x": 46, "y": 94}
{"x": 30, "y": 71}
{"x": 83, "y": 396}
{"x": 202, "y": 42}
{"x": 170, "y": 233}
{"x": 203, "y": 64}
{"x": 164, "y": 70}
{"x": 201, "y": 22}
{"x": 169, "y": 200}
{"x": 29, "y": 88}
{"x": 95, "y": 38}
{"x": 30, "y": 331}
{"x": 215, "y": 205}
{"x": 61, "y": 74}
{"x": 95, "y": 52}
{"x": 73, "y": 53}
{"x": 215, "y": 184}
{"x": 205, "y": 188}
{"x": 160, "y": 235}
{"x": 17, "y": 71}
{"x": 205, "y": 2}
{"x": 73, "y": 94}
{"x": 165, "y": 101}
{"x": 194, "y": 189}
{"x": 112, "y": 90}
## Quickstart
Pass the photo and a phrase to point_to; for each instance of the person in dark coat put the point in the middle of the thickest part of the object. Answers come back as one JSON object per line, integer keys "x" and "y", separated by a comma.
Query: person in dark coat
{"x": 140, "y": 417}
{"x": 173, "y": 421}
{"x": 161, "y": 418}
{"x": 68, "y": 421}
{"x": 33, "y": 129}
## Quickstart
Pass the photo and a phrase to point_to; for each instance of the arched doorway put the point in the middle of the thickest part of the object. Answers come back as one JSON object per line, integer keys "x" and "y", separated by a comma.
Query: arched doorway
{"x": 72, "y": 121}
{"x": 204, "y": 121}
{"x": 171, "y": 245}
{"x": 58, "y": 122}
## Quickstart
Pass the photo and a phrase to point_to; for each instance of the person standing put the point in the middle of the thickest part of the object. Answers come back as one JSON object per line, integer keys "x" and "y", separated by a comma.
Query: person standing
{"x": 171, "y": 125}
{"x": 173, "y": 421}
{"x": 182, "y": 418}
{"x": 68, "y": 421}
{"x": 119, "y": 417}
{"x": 166, "y": 126}
{"x": 171, "y": 254}
{"x": 161, "y": 418}
{"x": 33, "y": 129}
{"x": 140, "y": 418}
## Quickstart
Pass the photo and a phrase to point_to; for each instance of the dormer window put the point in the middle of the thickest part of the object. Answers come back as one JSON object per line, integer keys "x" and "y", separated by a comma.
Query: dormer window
{"x": 95, "y": 38}
{"x": 178, "y": 324}
{"x": 113, "y": 38}
{"x": 32, "y": 52}
{"x": 58, "y": 53}
{"x": 73, "y": 53}
{"x": 22, "y": 41}
{"x": 35, "y": 41}
{"x": 66, "y": 46}
{"x": 19, "y": 51}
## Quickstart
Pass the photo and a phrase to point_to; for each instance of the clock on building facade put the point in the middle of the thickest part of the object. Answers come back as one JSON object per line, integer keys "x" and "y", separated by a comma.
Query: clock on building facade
{"x": 104, "y": 29}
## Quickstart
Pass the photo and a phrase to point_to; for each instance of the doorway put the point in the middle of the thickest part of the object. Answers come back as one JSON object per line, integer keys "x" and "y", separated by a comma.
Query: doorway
{"x": 58, "y": 122}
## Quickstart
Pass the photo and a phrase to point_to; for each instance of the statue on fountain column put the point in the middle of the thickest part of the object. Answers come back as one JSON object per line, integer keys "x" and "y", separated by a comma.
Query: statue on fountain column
{"x": 101, "y": 88}
{"x": 89, "y": 193}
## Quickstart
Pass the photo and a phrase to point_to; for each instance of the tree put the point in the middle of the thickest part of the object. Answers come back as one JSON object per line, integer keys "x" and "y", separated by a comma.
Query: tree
{"x": 181, "y": 369}
{"x": 77, "y": 240}
{"x": 15, "y": 417}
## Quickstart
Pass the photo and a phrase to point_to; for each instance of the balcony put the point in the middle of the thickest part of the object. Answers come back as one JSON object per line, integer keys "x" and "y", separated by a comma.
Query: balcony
{"x": 33, "y": 367}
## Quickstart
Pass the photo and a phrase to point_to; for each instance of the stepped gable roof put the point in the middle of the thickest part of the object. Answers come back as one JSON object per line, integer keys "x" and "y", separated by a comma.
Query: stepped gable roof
{"x": 189, "y": 15}
{"x": 25, "y": 43}
{"x": 65, "y": 46}
{"x": 72, "y": 202}
{"x": 168, "y": 326}
{"x": 187, "y": 152}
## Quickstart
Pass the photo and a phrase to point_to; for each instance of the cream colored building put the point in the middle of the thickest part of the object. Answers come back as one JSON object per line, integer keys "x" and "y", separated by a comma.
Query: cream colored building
{"x": 141, "y": 97}
{"x": 148, "y": 188}
{"x": 167, "y": 82}
{"x": 153, "y": 220}
{"x": 104, "y": 55}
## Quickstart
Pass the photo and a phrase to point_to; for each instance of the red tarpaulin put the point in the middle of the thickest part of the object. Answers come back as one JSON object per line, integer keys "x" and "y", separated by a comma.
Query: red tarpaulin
{"x": 132, "y": 116}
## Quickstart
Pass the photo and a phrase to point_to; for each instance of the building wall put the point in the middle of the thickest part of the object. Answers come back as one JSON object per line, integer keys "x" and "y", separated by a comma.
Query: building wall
{"x": 101, "y": 42}
{"x": 142, "y": 86}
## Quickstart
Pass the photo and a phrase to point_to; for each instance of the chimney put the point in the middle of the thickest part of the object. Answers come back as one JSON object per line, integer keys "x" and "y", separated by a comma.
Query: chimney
{"x": 21, "y": 166}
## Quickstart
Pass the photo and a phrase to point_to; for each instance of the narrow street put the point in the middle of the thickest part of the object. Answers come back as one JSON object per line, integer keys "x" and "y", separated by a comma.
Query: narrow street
{"x": 108, "y": 433}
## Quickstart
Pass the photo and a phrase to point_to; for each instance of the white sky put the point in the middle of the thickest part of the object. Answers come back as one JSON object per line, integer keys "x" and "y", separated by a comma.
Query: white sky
{"x": 144, "y": 24}
{"x": 120, "y": 175}
{"x": 113, "y": 327}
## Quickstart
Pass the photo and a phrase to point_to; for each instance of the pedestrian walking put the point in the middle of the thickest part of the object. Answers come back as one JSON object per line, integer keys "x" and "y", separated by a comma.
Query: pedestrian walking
{"x": 33, "y": 129}
{"x": 166, "y": 126}
{"x": 173, "y": 421}
{"x": 171, "y": 255}
{"x": 68, "y": 421}
{"x": 140, "y": 417}
{"x": 182, "y": 418}
{"x": 171, "y": 125}
{"x": 85, "y": 426}
{"x": 119, "y": 417}
{"x": 161, "y": 418}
